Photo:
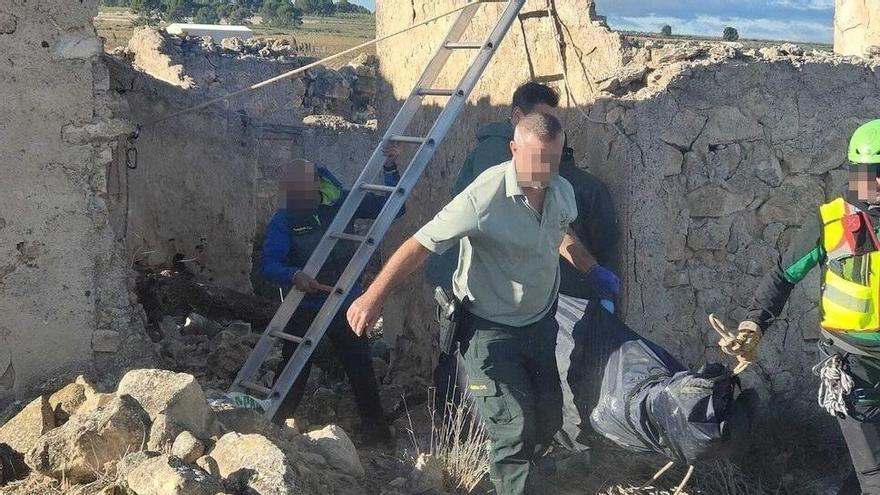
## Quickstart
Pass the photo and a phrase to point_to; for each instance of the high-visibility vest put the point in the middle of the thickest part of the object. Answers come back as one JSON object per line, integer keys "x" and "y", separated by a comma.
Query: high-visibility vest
{"x": 851, "y": 273}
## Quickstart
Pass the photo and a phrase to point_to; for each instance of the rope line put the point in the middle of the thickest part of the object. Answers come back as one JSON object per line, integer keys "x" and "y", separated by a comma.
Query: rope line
{"x": 306, "y": 67}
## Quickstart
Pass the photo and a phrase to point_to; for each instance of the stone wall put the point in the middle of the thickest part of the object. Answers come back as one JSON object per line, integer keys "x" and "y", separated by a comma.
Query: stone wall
{"x": 64, "y": 294}
{"x": 206, "y": 181}
{"x": 855, "y": 27}
{"x": 714, "y": 156}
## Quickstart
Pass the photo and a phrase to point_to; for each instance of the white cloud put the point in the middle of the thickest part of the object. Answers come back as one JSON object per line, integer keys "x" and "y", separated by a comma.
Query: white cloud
{"x": 804, "y": 4}
{"x": 707, "y": 25}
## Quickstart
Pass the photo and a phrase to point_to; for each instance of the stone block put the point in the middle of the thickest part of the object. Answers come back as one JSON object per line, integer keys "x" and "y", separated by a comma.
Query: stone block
{"x": 683, "y": 129}
{"x": 714, "y": 201}
{"x": 105, "y": 341}
{"x": 333, "y": 443}
{"x": 177, "y": 396}
{"x": 168, "y": 475}
{"x": 253, "y": 464}
{"x": 79, "y": 450}
{"x": 24, "y": 430}
{"x": 188, "y": 447}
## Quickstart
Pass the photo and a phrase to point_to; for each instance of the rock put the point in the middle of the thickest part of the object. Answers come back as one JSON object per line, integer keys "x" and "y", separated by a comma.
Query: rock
{"x": 178, "y": 396}
{"x": 709, "y": 234}
{"x": 253, "y": 463}
{"x": 290, "y": 424}
{"x": 243, "y": 420}
{"x": 427, "y": 475}
{"x": 769, "y": 171}
{"x": 78, "y": 44}
{"x": 8, "y": 23}
{"x": 239, "y": 328}
{"x": 197, "y": 324}
{"x": 232, "y": 44}
{"x": 163, "y": 431}
{"x": 670, "y": 160}
{"x": 683, "y": 129}
{"x": 23, "y": 431}
{"x": 228, "y": 356}
{"x": 682, "y": 52}
{"x": 728, "y": 125}
{"x": 188, "y": 447}
{"x": 714, "y": 201}
{"x": 79, "y": 450}
{"x": 333, "y": 443}
{"x": 66, "y": 401}
{"x": 796, "y": 198}
{"x": 168, "y": 475}
{"x": 209, "y": 465}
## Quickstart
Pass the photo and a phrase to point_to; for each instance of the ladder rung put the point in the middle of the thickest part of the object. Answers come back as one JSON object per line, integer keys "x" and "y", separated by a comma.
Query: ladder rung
{"x": 378, "y": 188}
{"x": 287, "y": 337}
{"x": 348, "y": 237}
{"x": 463, "y": 46}
{"x": 256, "y": 388}
{"x": 410, "y": 139}
{"x": 436, "y": 92}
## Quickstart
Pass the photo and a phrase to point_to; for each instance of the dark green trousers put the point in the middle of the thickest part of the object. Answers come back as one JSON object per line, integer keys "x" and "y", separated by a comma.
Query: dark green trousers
{"x": 513, "y": 378}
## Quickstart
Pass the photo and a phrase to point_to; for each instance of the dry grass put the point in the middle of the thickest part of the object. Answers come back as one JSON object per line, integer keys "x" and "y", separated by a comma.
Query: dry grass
{"x": 459, "y": 441}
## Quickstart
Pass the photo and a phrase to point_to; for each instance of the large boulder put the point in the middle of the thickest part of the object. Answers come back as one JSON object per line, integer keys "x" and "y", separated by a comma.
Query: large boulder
{"x": 253, "y": 464}
{"x": 176, "y": 396}
{"x": 23, "y": 431}
{"x": 80, "y": 449}
{"x": 333, "y": 443}
{"x": 151, "y": 473}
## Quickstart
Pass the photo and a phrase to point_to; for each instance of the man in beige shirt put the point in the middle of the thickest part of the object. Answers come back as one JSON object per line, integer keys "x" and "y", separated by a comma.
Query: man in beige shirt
{"x": 512, "y": 223}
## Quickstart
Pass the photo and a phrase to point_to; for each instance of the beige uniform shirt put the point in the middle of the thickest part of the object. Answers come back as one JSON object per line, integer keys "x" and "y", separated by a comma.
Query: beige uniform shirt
{"x": 508, "y": 264}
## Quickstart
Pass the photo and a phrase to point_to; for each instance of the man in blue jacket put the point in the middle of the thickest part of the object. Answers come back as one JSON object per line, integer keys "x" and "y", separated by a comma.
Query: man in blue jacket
{"x": 313, "y": 197}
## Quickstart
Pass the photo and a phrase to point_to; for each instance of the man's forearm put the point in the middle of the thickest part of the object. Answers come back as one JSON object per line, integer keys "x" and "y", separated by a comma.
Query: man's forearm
{"x": 573, "y": 250}
{"x": 403, "y": 263}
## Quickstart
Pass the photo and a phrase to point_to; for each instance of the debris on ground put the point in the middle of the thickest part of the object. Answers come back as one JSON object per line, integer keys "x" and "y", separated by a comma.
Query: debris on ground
{"x": 115, "y": 447}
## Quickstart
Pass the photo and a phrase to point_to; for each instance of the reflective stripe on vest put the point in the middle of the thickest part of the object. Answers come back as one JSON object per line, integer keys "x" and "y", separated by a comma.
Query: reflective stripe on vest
{"x": 847, "y": 305}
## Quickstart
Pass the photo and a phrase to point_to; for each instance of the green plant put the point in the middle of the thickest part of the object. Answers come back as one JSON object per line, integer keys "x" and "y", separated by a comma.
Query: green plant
{"x": 666, "y": 30}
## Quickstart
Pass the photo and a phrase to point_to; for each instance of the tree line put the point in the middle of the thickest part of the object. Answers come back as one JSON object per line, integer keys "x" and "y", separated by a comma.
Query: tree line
{"x": 279, "y": 13}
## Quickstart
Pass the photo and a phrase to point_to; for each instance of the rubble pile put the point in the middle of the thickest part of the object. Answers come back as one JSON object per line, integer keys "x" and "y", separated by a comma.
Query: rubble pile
{"x": 655, "y": 63}
{"x": 200, "y": 63}
{"x": 158, "y": 434}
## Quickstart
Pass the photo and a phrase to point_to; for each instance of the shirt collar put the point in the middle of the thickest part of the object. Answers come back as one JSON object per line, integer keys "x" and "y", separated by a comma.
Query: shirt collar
{"x": 510, "y": 182}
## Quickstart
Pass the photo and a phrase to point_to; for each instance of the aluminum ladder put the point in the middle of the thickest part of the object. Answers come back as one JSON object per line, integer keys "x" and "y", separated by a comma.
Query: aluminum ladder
{"x": 246, "y": 380}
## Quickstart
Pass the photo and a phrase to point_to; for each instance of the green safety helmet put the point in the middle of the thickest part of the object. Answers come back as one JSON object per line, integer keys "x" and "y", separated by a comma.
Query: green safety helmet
{"x": 864, "y": 146}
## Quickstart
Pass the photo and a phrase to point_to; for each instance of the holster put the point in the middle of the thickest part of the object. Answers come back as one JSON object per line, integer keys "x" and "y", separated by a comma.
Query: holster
{"x": 450, "y": 313}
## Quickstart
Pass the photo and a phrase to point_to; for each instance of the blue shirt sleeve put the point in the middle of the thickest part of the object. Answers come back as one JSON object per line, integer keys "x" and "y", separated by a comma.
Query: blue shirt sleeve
{"x": 276, "y": 248}
{"x": 372, "y": 204}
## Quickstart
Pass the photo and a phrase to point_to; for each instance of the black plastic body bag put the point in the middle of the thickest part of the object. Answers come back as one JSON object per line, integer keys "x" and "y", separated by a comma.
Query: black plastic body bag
{"x": 634, "y": 393}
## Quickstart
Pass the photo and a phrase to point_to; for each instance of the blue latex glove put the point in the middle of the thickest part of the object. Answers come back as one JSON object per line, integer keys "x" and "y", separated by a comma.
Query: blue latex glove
{"x": 608, "y": 305}
{"x": 604, "y": 282}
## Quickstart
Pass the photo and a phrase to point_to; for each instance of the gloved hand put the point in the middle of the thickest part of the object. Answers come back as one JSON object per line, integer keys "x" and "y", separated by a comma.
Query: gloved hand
{"x": 604, "y": 282}
{"x": 744, "y": 345}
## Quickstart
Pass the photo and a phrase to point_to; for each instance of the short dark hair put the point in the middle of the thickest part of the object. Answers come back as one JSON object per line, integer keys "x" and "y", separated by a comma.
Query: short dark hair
{"x": 543, "y": 125}
{"x": 531, "y": 93}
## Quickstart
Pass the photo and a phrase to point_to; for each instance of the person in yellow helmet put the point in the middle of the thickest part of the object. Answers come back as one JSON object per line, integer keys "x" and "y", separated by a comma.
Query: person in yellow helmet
{"x": 842, "y": 238}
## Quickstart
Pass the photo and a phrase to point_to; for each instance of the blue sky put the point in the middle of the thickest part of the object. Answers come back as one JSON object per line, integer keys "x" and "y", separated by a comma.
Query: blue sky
{"x": 791, "y": 20}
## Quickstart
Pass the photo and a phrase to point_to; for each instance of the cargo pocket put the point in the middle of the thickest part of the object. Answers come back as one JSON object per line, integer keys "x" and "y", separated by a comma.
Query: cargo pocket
{"x": 490, "y": 401}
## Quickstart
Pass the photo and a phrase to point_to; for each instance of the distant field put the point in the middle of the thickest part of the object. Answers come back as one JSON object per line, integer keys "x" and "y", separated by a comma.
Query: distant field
{"x": 747, "y": 43}
{"x": 321, "y": 36}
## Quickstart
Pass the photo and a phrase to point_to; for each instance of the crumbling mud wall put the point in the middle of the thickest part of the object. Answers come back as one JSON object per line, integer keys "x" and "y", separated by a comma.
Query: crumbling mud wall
{"x": 206, "y": 181}
{"x": 64, "y": 292}
{"x": 714, "y": 156}
{"x": 855, "y": 27}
